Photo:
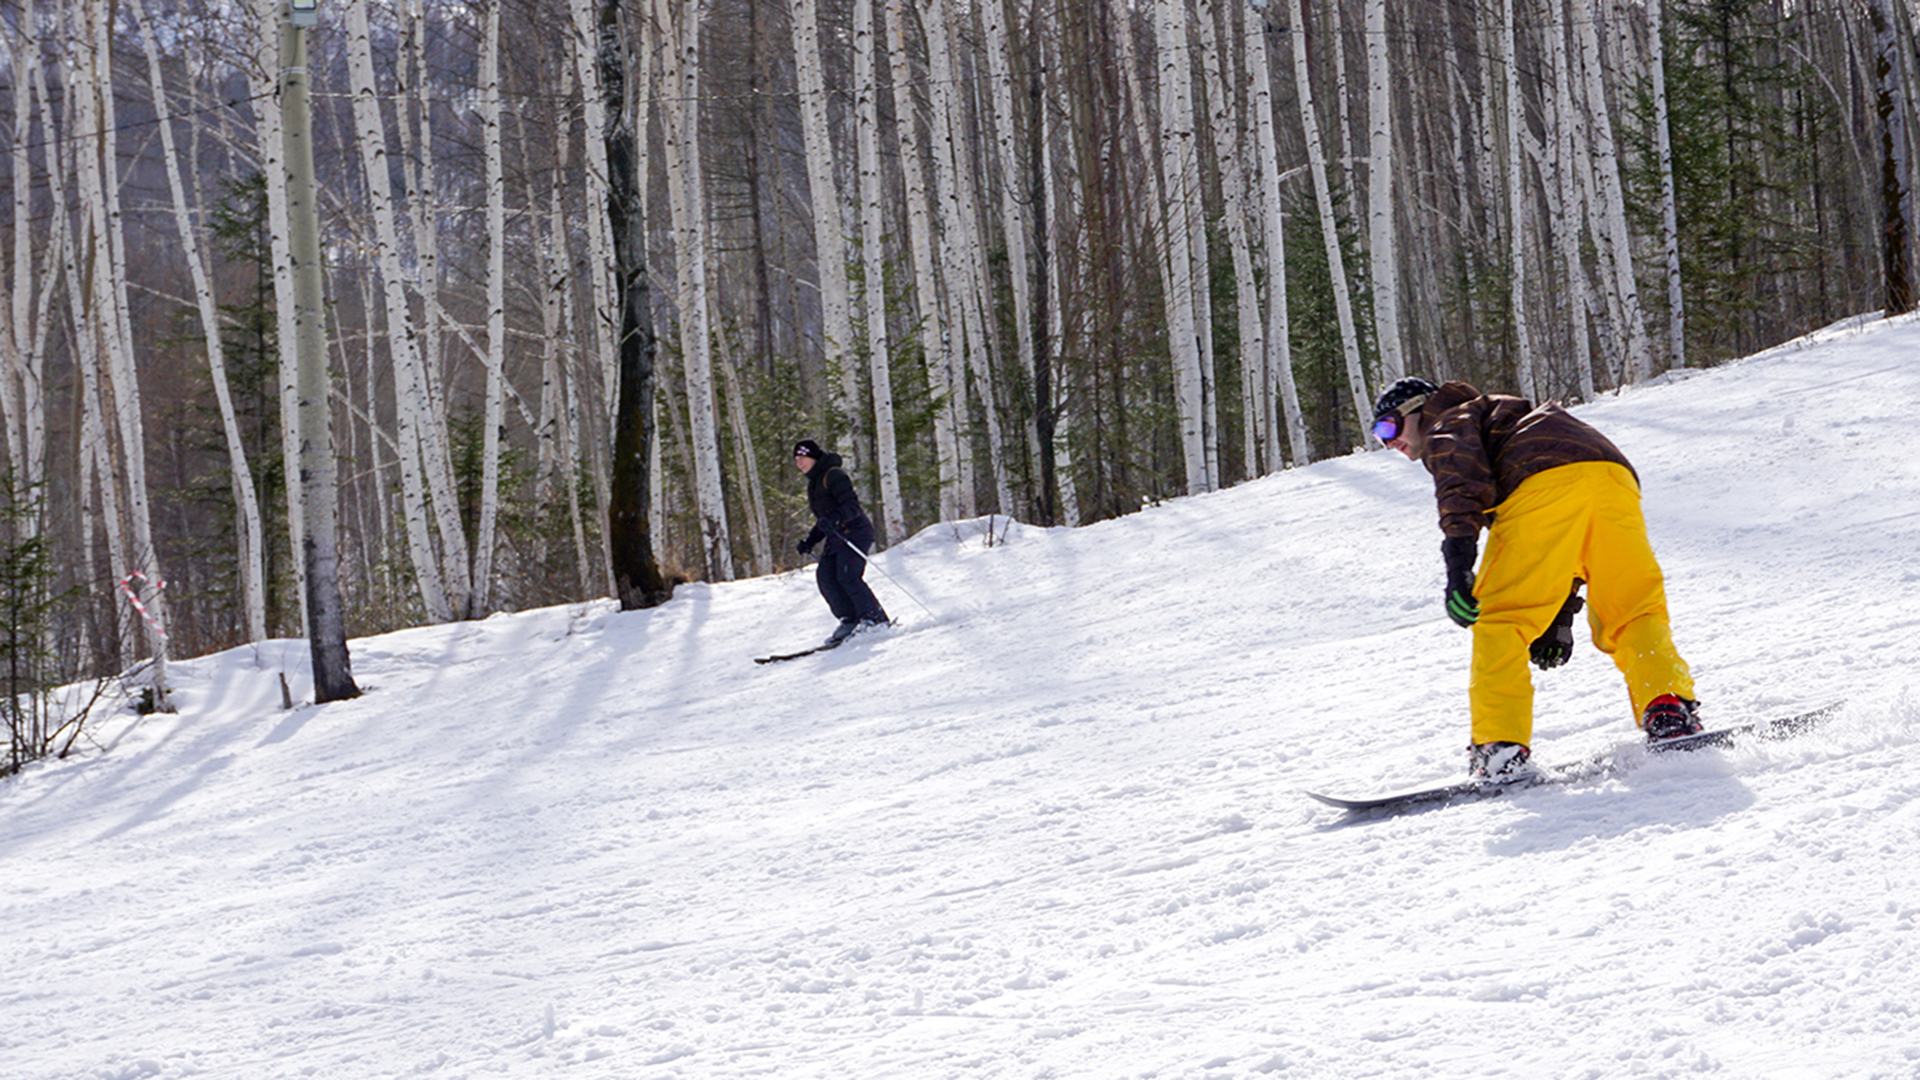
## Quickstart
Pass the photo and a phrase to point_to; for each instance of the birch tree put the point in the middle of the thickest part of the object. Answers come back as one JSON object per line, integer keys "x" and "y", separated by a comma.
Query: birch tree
{"x": 1225, "y": 129}
{"x": 1329, "y": 225}
{"x": 830, "y": 248}
{"x": 963, "y": 244}
{"x": 602, "y": 329}
{"x": 107, "y": 305}
{"x": 1519, "y": 273}
{"x": 1617, "y": 246}
{"x": 22, "y": 388}
{"x": 327, "y": 628}
{"x": 246, "y": 505}
{"x": 1013, "y": 220}
{"x": 1381, "y": 236}
{"x": 1572, "y": 204}
{"x": 1279, "y": 362}
{"x": 263, "y": 74}
{"x": 1896, "y": 163}
{"x": 680, "y": 75}
{"x": 873, "y": 252}
{"x": 1180, "y": 161}
{"x": 632, "y": 485}
{"x": 496, "y": 307}
{"x": 1059, "y": 183}
{"x": 422, "y": 441}
{"x": 1669, "y": 204}
{"x": 934, "y": 336}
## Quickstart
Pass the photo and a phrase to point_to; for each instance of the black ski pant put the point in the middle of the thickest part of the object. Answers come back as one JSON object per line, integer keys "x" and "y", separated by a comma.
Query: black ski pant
{"x": 840, "y": 574}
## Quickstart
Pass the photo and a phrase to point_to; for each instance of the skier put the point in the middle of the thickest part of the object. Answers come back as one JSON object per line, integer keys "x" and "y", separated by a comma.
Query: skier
{"x": 1561, "y": 506}
{"x": 848, "y": 533}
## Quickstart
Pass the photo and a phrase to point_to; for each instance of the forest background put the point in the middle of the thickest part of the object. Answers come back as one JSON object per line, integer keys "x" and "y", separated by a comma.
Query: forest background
{"x": 1051, "y": 259}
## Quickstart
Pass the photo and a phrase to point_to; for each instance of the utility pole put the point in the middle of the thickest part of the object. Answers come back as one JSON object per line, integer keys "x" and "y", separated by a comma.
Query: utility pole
{"x": 326, "y": 622}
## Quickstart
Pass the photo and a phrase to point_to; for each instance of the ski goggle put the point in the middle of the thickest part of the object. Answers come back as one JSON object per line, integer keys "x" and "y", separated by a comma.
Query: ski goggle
{"x": 1388, "y": 428}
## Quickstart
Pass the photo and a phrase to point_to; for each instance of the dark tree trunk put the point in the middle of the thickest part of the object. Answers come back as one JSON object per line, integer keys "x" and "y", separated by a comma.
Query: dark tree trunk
{"x": 636, "y": 575}
{"x": 1895, "y": 160}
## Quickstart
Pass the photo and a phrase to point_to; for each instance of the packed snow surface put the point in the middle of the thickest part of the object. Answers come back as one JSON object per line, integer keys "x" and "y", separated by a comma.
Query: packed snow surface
{"x": 1054, "y": 824}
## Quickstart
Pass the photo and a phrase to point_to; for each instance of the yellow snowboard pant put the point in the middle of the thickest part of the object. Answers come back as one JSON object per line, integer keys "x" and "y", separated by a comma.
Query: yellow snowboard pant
{"x": 1575, "y": 521}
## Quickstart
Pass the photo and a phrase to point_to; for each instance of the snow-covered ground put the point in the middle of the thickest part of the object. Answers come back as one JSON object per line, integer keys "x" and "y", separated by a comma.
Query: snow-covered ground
{"x": 1051, "y": 827}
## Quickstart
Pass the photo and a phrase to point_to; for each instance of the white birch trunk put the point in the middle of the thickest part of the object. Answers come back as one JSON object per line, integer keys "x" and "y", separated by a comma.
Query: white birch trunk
{"x": 968, "y": 259}
{"x": 963, "y": 323}
{"x": 422, "y": 458}
{"x": 1603, "y": 302}
{"x": 1572, "y": 204}
{"x": 422, "y": 203}
{"x": 1279, "y": 364}
{"x": 496, "y": 310}
{"x": 1669, "y": 204}
{"x": 1329, "y": 228}
{"x": 1059, "y": 163}
{"x": 830, "y": 245}
{"x": 96, "y": 465}
{"x": 756, "y": 497}
{"x": 597, "y": 328}
{"x": 584, "y": 562}
{"x": 1013, "y": 212}
{"x": 680, "y": 74}
{"x": 246, "y": 505}
{"x": 1225, "y": 128}
{"x": 1180, "y": 160}
{"x": 1344, "y": 144}
{"x": 1486, "y": 161}
{"x": 873, "y": 239}
{"x": 19, "y": 379}
{"x": 1382, "y": 243}
{"x": 926, "y": 279}
{"x": 1616, "y": 244}
{"x": 557, "y": 260}
{"x": 264, "y": 73}
{"x": 1517, "y": 209}
{"x": 110, "y": 309}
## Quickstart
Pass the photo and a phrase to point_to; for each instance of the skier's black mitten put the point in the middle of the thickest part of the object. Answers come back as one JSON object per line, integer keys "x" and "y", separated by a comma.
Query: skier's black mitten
{"x": 804, "y": 547}
{"x": 1460, "y": 553}
{"x": 1555, "y": 647}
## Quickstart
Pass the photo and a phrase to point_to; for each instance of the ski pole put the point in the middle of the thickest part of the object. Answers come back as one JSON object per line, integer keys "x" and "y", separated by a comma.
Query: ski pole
{"x": 855, "y": 548}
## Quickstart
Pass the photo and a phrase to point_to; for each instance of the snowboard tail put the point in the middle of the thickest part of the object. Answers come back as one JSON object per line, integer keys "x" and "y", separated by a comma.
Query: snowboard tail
{"x": 1599, "y": 765}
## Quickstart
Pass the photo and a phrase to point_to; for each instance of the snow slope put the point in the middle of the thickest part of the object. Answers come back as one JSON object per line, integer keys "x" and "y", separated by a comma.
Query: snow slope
{"x": 1052, "y": 827}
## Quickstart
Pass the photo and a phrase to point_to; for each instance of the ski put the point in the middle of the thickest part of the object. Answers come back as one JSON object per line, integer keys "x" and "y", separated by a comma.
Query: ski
{"x": 777, "y": 657}
{"x": 864, "y": 632}
{"x": 1593, "y": 767}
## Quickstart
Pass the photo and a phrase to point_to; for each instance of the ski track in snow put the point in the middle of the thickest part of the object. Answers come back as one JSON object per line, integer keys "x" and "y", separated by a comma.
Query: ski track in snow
{"x": 1053, "y": 828}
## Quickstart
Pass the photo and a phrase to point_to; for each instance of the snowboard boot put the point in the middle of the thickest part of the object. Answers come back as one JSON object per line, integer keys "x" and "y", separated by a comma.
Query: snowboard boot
{"x": 1670, "y": 717}
{"x": 843, "y": 631}
{"x": 1498, "y": 762}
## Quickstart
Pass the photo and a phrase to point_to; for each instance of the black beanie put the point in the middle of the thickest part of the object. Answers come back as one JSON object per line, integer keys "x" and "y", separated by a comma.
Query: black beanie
{"x": 809, "y": 448}
{"x": 1402, "y": 393}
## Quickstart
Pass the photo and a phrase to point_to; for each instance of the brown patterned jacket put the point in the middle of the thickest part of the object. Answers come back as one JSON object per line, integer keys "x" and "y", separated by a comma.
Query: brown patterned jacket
{"x": 1481, "y": 446}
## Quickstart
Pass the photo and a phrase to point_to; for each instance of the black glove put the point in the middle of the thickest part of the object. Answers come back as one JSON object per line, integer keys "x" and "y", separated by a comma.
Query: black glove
{"x": 804, "y": 547}
{"x": 1554, "y": 647}
{"x": 1460, "y": 552}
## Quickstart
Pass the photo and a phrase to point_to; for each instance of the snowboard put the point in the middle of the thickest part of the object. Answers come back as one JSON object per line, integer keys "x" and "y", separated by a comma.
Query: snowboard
{"x": 1599, "y": 765}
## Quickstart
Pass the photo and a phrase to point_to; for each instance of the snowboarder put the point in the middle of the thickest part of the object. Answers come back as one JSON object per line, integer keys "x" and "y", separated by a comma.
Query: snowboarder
{"x": 1561, "y": 506}
{"x": 848, "y": 533}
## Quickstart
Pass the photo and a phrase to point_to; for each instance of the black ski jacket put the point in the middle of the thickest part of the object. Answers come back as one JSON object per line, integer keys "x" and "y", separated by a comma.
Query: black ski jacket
{"x": 835, "y": 505}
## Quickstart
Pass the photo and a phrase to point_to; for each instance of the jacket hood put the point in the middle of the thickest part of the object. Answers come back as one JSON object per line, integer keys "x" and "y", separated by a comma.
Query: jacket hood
{"x": 1449, "y": 396}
